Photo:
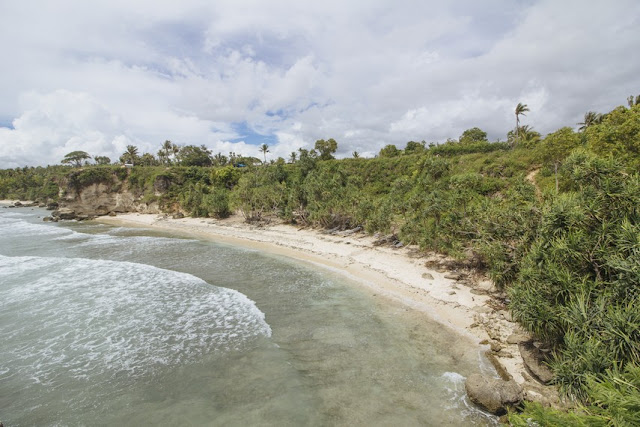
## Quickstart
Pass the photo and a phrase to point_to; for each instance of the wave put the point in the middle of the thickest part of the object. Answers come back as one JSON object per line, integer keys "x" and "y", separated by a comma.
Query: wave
{"x": 92, "y": 318}
{"x": 14, "y": 225}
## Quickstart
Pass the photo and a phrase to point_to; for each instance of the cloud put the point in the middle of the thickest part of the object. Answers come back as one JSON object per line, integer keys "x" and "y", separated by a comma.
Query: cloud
{"x": 99, "y": 76}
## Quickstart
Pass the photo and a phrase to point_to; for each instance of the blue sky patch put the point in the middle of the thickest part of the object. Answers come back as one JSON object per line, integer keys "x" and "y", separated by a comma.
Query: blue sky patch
{"x": 6, "y": 123}
{"x": 250, "y": 136}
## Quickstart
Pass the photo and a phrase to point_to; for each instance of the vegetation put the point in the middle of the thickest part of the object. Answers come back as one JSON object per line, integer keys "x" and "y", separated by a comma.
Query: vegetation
{"x": 555, "y": 222}
{"x": 75, "y": 158}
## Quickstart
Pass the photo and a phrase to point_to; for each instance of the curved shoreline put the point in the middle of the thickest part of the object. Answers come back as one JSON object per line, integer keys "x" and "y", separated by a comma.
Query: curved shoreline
{"x": 401, "y": 274}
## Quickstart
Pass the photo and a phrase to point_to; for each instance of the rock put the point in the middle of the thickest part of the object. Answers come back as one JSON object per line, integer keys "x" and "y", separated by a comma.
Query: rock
{"x": 17, "y": 204}
{"x": 427, "y": 276}
{"x": 178, "y": 215}
{"x": 493, "y": 394}
{"x": 506, "y": 315}
{"x": 47, "y": 219}
{"x": 533, "y": 361}
{"x": 64, "y": 213}
{"x": 483, "y": 309}
{"x": 453, "y": 276}
{"x": 517, "y": 338}
{"x": 496, "y": 347}
{"x": 112, "y": 213}
{"x": 52, "y": 206}
{"x": 42, "y": 205}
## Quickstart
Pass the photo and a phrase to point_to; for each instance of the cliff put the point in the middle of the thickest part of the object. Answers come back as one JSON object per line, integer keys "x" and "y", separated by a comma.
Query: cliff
{"x": 83, "y": 196}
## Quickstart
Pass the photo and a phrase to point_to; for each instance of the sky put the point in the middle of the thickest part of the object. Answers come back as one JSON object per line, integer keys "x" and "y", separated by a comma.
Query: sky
{"x": 100, "y": 75}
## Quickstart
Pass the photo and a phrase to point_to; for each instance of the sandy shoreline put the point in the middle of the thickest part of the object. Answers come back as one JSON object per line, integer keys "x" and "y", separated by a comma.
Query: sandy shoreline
{"x": 397, "y": 273}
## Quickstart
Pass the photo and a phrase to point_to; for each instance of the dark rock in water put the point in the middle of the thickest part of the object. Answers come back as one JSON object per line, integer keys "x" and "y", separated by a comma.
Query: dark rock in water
{"x": 17, "y": 204}
{"x": 47, "y": 219}
{"x": 52, "y": 206}
{"x": 65, "y": 213}
{"x": 533, "y": 360}
{"x": 178, "y": 215}
{"x": 493, "y": 394}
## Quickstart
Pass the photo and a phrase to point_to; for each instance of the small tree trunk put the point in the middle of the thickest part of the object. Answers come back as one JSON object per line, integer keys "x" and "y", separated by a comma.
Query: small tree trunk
{"x": 555, "y": 166}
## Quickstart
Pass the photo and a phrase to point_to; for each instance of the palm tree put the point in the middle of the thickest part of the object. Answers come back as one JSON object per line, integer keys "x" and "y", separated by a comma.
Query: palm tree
{"x": 264, "y": 149}
{"x": 356, "y": 155}
{"x": 167, "y": 148}
{"x": 590, "y": 118}
{"x": 521, "y": 109}
{"x": 293, "y": 157}
{"x": 131, "y": 155}
{"x": 528, "y": 136}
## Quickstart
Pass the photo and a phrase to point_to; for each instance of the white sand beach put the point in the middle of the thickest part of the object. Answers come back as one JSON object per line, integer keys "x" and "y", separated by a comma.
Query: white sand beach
{"x": 453, "y": 298}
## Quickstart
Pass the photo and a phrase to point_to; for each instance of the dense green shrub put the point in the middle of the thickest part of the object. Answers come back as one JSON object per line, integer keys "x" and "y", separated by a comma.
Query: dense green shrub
{"x": 579, "y": 283}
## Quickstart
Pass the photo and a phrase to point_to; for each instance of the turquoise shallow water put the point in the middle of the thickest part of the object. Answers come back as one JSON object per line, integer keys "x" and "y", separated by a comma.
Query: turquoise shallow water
{"x": 103, "y": 325}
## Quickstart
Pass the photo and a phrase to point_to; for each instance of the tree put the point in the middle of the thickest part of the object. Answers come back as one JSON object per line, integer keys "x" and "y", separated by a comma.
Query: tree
{"x": 414, "y": 147}
{"x": 293, "y": 157}
{"x": 192, "y": 155}
{"x": 389, "y": 151}
{"x": 147, "y": 159}
{"x": 618, "y": 135}
{"x": 528, "y": 136}
{"x": 557, "y": 146}
{"x": 167, "y": 152}
{"x": 76, "y": 158}
{"x": 326, "y": 148}
{"x": 220, "y": 160}
{"x": 590, "y": 118}
{"x": 264, "y": 149}
{"x": 355, "y": 155}
{"x": 521, "y": 109}
{"x": 131, "y": 155}
{"x": 472, "y": 135}
{"x": 102, "y": 160}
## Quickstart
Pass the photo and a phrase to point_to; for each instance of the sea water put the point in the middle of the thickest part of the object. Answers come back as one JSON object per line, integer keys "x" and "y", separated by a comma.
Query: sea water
{"x": 108, "y": 325}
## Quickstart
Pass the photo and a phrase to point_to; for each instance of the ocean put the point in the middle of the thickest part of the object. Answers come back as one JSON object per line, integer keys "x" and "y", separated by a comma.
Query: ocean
{"x": 103, "y": 325}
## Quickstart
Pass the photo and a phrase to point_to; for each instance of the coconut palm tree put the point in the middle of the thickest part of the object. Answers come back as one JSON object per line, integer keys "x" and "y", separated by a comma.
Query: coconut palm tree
{"x": 590, "y": 118}
{"x": 264, "y": 149}
{"x": 521, "y": 109}
{"x": 355, "y": 155}
{"x": 167, "y": 149}
{"x": 131, "y": 155}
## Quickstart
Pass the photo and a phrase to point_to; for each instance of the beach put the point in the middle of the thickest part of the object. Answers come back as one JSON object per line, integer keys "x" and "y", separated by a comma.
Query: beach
{"x": 456, "y": 299}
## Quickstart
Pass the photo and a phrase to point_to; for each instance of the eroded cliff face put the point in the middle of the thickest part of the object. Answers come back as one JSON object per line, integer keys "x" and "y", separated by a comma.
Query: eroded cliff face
{"x": 101, "y": 199}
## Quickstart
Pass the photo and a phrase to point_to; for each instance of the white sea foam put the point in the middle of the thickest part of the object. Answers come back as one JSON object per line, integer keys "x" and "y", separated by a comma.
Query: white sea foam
{"x": 88, "y": 318}
{"x": 453, "y": 386}
{"x": 15, "y": 225}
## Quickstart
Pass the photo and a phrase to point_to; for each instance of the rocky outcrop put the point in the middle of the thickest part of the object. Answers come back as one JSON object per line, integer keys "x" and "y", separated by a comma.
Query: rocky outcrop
{"x": 493, "y": 394}
{"x": 99, "y": 199}
{"x": 533, "y": 360}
